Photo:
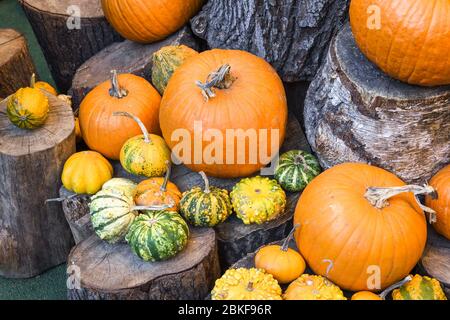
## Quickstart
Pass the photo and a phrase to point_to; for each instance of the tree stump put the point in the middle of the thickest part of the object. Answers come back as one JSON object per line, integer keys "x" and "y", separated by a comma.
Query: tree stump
{"x": 76, "y": 211}
{"x": 125, "y": 57}
{"x": 16, "y": 65}
{"x": 69, "y": 32}
{"x": 34, "y": 236}
{"x": 354, "y": 112}
{"x": 113, "y": 272}
{"x": 293, "y": 35}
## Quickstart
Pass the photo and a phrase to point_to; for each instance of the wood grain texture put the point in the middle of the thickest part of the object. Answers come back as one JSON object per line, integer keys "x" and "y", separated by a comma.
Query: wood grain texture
{"x": 65, "y": 48}
{"x": 34, "y": 236}
{"x": 354, "y": 112}
{"x": 113, "y": 272}
{"x": 125, "y": 57}
{"x": 291, "y": 35}
{"x": 16, "y": 65}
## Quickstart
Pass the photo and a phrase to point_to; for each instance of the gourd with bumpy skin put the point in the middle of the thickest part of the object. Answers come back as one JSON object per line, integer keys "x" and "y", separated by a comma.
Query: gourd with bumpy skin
{"x": 311, "y": 287}
{"x": 28, "y": 108}
{"x": 420, "y": 288}
{"x": 441, "y": 204}
{"x": 85, "y": 172}
{"x": 158, "y": 191}
{"x": 121, "y": 184}
{"x": 158, "y": 235}
{"x": 166, "y": 61}
{"x": 295, "y": 169}
{"x": 246, "y": 284}
{"x": 42, "y": 86}
{"x": 258, "y": 200}
{"x": 144, "y": 155}
{"x": 284, "y": 263}
{"x": 205, "y": 207}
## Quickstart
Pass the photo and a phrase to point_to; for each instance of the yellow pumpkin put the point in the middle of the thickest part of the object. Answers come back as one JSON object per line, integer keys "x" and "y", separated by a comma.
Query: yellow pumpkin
{"x": 42, "y": 86}
{"x": 85, "y": 172}
{"x": 311, "y": 287}
{"x": 28, "y": 108}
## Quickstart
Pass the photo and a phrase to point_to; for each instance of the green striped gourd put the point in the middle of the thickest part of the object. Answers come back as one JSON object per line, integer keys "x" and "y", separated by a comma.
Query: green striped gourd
{"x": 121, "y": 184}
{"x": 258, "y": 200}
{"x": 158, "y": 235}
{"x": 295, "y": 169}
{"x": 28, "y": 108}
{"x": 420, "y": 288}
{"x": 205, "y": 207}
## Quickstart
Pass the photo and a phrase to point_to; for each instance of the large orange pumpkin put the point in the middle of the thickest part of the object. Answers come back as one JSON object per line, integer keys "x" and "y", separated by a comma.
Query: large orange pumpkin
{"x": 106, "y": 133}
{"x": 441, "y": 204}
{"x": 346, "y": 218}
{"x": 148, "y": 21}
{"x": 239, "y": 102}
{"x": 407, "y": 39}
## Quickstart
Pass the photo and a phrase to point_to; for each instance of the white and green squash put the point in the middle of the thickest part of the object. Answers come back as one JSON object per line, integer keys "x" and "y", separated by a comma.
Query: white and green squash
{"x": 121, "y": 184}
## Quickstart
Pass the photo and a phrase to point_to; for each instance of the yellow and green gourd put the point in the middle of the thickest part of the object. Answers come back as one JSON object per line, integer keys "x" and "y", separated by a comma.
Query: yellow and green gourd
{"x": 420, "y": 288}
{"x": 246, "y": 284}
{"x": 258, "y": 200}
{"x": 158, "y": 235}
{"x": 28, "y": 108}
{"x": 121, "y": 184}
{"x": 312, "y": 287}
{"x": 205, "y": 207}
{"x": 166, "y": 61}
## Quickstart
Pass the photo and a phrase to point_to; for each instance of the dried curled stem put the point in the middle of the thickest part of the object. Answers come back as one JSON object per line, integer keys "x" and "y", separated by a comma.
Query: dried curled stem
{"x": 384, "y": 294}
{"x": 220, "y": 79}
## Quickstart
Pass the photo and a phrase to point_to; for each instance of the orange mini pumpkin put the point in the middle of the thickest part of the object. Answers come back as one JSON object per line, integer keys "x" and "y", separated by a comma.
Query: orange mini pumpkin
{"x": 441, "y": 204}
{"x": 105, "y": 133}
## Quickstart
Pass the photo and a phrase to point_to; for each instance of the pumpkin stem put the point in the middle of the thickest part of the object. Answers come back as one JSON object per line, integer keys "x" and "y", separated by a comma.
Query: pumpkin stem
{"x": 250, "y": 286}
{"x": 166, "y": 177}
{"x": 220, "y": 79}
{"x": 116, "y": 91}
{"x": 33, "y": 80}
{"x": 138, "y": 121}
{"x": 288, "y": 239}
{"x": 206, "y": 180}
{"x": 384, "y": 294}
{"x": 378, "y": 196}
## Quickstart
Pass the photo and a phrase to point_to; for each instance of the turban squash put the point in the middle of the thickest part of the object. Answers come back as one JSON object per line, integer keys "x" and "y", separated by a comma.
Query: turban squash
{"x": 341, "y": 222}
{"x": 408, "y": 39}
{"x": 238, "y": 100}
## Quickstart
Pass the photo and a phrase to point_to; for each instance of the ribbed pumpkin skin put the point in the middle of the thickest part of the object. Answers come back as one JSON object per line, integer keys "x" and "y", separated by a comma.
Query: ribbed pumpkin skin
{"x": 311, "y": 287}
{"x": 106, "y": 133}
{"x": 256, "y": 100}
{"x": 420, "y": 288}
{"x": 85, "y": 172}
{"x": 413, "y": 42}
{"x": 158, "y": 235}
{"x": 204, "y": 209}
{"x": 149, "y": 21}
{"x": 441, "y": 183}
{"x": 112, "y": 214}
{"x": 166, "y": 61}
{"x": 148, "y": 193}
{"x": 258, "y": 200}
{"x": 27, "y": 108}
{"x": 339, "y": 224}
{"x": 295, "y": 169}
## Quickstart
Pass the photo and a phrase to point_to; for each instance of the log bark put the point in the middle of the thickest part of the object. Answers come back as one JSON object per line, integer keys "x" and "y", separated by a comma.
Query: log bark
{"x": 66, "y": 41}
{"x": 125, "y": 57}
{"x": 354, "y": 112}
{"x": 291, "y": 35}
{"x": 113, "y": 272}
{"x": 34, "y": 236}
{"x": 76, "y": 211}
{"x": 16, "y": 65}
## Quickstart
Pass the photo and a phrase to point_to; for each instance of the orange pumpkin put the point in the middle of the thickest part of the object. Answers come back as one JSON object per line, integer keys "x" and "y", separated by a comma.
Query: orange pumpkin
{"x": 241, "y": 109}
{"x": 441, "y": 204}
{"x": 408, "y": 39}
{"x": 149, "y": 21}
{"x": 158, "y": 191}
{"x": 106, "y": 133}
{"x": 360, "y": 218}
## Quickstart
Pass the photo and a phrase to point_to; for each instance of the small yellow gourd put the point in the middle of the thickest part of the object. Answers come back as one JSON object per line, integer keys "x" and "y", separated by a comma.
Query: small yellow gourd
{"x": 42, "y": 86}
{"x": 311, "y": 287}
{"x": 28, "y": 108}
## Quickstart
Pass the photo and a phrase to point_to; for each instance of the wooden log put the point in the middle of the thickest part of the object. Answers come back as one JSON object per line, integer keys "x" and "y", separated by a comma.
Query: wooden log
{"x": 34, "y": 236}
{"x": 113, "y": 272}
{"x": 125, "y": 57}
{"x": 354, "y": 112}
{"x": 76, "y": 211}
{"x": 16, "y": 65}
{"x": 293, "y": 35}
{"x": 234, "y": 238}
{"x": 69, "y": 32}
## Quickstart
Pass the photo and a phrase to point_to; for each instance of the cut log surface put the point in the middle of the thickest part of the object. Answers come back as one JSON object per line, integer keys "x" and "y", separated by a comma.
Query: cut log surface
{"x": 125, "y": 57}
{"x": 69, "y": 32}
{"x": 293, "y": 35}
{"x": 235, "y": 239}
{"x": 16, "y": 65}
{"x": 354, "y": 112}
{"x": 113, "y": 272}
{"x": 34, "y": 236}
